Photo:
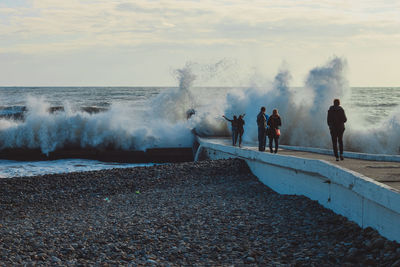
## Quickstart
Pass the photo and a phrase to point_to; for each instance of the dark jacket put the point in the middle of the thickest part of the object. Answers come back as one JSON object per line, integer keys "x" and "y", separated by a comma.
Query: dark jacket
{"x": 336, "y": 118}
{"x": 234, "y": 123}
{"x": 240, "y": 123}
{"x": 274, "y": 122}
{"x": 262, "y": 120}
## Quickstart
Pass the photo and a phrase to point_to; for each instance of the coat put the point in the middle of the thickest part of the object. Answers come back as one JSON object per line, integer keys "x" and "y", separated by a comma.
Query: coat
{"x": 336, "y": 118}
{"x": 274, "y": 122}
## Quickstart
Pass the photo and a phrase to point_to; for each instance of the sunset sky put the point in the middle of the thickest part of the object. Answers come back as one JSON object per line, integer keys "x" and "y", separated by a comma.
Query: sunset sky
{"x": 140, "y": 43}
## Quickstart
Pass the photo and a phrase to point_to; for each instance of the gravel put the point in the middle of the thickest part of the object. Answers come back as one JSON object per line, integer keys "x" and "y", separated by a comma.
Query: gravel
{"x": 208, "y": 213}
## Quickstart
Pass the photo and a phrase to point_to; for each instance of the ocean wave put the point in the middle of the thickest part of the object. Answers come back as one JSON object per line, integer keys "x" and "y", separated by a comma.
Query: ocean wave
{"x": 376, "y": 105}
{"x": 304, "y": 112}
{"x": 164, "y": 121}
{"x": 19, "y": 112}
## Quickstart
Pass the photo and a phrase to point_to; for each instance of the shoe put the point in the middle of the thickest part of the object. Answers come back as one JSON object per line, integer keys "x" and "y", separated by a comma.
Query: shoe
{"x": 341, "y": 157}
{"x": 271, "y": 151}
{"x": 337, "y": 159}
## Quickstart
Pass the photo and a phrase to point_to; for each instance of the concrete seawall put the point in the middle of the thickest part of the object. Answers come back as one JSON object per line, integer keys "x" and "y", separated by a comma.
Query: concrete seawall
{"x": 351, "y": 194}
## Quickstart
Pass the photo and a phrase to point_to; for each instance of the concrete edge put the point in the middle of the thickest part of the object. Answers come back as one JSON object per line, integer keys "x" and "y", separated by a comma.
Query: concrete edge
{"x": 368, "y": 188}
{"x": 347, "y": 154}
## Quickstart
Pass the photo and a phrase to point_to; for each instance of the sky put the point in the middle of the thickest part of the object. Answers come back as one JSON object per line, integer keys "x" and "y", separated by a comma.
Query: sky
{"x": 141, "y": 43}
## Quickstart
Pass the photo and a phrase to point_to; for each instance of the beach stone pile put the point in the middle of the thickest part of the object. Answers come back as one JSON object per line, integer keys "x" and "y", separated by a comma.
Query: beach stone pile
{"x": 209, "y": 213}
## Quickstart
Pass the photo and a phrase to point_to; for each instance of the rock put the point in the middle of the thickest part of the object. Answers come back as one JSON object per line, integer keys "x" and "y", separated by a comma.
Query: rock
{"x": 28, "y": 234}
{"x": 396, "y": 263}
{"x": 250, "y": 260}
{"x": 55, "y": 259}
{"x": 368, "y": 243}
{"x": 378, "y": 243}
{"x": 369, "y": 260}
{"x": 352, "y": 254}
{"x": 209, "y": 213}
{"x": 151, "y": 261}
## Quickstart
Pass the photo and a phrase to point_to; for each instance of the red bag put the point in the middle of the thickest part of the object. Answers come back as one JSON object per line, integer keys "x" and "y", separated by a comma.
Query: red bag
{"x": 277, "y": 132}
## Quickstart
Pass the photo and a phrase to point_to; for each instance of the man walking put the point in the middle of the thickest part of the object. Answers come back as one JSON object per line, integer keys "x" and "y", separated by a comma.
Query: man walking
{"x": 262, "y": 124}
{"x": 336, "y": 119}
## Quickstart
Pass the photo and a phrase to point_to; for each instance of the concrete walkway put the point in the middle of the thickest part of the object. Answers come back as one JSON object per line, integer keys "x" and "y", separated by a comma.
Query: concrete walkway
{"x": 381, "y": 171}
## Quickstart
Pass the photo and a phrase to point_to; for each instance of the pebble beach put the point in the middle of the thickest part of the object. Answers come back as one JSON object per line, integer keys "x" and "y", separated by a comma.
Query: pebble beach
{"x": 207, "y": 213}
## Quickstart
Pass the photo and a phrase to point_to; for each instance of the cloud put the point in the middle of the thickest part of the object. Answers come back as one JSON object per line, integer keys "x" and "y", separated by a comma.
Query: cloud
{"x": 284, "y": 28}
{"x": 71, "y": 24}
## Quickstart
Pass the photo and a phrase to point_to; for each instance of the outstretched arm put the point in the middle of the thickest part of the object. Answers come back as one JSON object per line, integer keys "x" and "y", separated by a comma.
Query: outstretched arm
{"x": 226, "y": 118}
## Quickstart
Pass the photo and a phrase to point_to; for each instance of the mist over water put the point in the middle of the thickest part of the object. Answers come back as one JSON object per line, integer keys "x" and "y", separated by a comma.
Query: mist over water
{"x": 137, "y": 120}
{"x": 304, "y": 111}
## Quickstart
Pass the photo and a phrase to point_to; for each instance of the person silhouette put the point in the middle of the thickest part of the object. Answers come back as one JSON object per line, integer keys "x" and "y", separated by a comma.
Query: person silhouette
{"x": 240, "y": 128}
{"x": 262, "y": 125}
{"x": 336, "y": 119}
{"x": 233, "y": 127}
{"x": 274, "y": 122}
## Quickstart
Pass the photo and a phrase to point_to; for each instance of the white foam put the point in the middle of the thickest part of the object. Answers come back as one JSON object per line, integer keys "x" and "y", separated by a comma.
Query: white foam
{"x": 163, "y": 121}
{"x": 304, "y": 111}
{"x": 10, "y": 168}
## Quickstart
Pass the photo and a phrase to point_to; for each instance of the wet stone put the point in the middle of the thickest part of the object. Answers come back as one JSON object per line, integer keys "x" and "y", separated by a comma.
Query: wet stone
{"x": 250, "y": 260}
{"x": 208, "y": 213}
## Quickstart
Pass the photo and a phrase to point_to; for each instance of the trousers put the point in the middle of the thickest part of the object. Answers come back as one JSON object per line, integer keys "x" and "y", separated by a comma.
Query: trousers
{"x": 337, "y": 137}
{"x": 276, "y": 140}
{"x": 261, "y": 139}
{"x": 234, "y": 135}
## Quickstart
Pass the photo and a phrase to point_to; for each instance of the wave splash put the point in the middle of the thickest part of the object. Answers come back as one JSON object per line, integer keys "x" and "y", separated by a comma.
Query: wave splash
{"x": 167, "y": 120}
{"x": 120, "y": 127}
{"x": 304, "y": 111}
{"x": 170, "y": 117}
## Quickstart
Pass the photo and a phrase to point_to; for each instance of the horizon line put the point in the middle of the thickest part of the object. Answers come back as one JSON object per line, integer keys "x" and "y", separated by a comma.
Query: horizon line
{"x": 167, "y": 86}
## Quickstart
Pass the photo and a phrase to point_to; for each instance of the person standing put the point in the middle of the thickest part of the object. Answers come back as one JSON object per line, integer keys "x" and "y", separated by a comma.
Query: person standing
{"x": 240, "y": 129}
{"x": 234, "y": 124}
{"x": 262, "y": 125}
{"x": 274, "y": 122}
{"x": 336, "y": 119}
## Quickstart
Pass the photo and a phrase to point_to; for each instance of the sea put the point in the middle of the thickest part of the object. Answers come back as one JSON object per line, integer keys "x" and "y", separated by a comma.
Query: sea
{"x": 138, "y": 118}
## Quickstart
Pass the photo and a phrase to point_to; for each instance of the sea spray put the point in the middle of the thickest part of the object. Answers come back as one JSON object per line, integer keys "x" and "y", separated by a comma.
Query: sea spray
{"x": 327, "y": 82}
{"x": 116, "y": 128}
{"x": 173, "y": 105}
{"x": 323, "y": 84}
{"x": 163, "y": 120}
{"x": 249, "y": 101}
{"x": 303, "y": 111}
{"x": 163, "y": 123}
{"x": 382, "y": 138}
{"x": 390, "y": 130}
{"x": 181, "y": 104}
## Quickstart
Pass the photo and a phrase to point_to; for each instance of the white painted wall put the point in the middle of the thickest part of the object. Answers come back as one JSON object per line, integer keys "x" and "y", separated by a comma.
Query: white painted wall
{"x": 359, "y": 198}
{"x": 353, "y": 155}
